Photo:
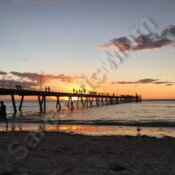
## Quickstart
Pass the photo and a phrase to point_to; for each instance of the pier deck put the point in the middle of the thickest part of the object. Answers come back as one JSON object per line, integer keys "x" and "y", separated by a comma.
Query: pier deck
{"x": 83, "y": 97}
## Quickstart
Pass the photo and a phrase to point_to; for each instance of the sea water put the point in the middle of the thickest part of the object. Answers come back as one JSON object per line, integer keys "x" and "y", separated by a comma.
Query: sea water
{"x": 156, "y": 118}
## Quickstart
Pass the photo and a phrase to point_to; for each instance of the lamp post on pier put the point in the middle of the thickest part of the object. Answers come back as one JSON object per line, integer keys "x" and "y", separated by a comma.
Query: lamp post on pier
{"x": 41, "y": 80}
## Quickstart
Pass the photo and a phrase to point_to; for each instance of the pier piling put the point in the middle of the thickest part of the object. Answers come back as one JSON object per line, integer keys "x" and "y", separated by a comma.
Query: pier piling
{"x": 21, "y": 102}
{"x": 14, "y": 103}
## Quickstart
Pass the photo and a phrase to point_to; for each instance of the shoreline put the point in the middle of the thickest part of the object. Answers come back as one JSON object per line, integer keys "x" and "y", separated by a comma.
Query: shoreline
{"x": 92, "y": 130}
{"x": 94, "y": 122}
{"x": 62, "y": 153}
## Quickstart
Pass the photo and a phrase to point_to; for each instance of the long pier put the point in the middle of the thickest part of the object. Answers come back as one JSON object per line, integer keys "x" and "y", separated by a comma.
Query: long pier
{"x": 84, "y": 98}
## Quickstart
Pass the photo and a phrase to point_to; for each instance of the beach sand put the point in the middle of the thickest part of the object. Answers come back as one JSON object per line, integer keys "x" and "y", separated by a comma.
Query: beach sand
{"x": 57, "y": 153}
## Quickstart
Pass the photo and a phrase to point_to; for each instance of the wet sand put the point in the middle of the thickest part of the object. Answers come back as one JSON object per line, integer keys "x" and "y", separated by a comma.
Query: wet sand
{"x": 55, "y": 153}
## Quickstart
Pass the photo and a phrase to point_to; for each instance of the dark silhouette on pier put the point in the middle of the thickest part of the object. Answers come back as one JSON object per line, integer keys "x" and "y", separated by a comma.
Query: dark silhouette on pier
{"x": 138, "y": 98}
{"x": 3, "y": 115}
{"x": 86, "y": 99}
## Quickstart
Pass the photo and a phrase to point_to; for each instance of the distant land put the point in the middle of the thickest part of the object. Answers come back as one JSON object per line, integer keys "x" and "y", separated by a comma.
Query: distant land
{"x": 158, "y": 99}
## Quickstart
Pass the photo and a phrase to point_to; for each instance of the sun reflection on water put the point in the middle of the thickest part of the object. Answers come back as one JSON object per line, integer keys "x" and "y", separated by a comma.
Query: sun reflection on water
{"x": 92, "y": 130}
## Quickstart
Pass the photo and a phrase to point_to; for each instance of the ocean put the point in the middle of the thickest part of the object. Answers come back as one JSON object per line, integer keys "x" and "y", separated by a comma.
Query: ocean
{"x": 156, "y": 118}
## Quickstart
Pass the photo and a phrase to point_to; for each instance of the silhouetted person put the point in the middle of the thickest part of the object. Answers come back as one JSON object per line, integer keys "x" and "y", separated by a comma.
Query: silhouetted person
{"x": 20, "y": 87}
{"x": 3, "y": 115}
{"x": 140, "y": 98}
{"x": 48, "y": 89}
{"x": 137, "y": 98}
{"x": 17, "y": 87}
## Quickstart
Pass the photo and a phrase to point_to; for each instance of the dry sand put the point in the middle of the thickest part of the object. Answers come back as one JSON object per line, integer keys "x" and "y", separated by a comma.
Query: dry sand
{"x": 60, "y": 153}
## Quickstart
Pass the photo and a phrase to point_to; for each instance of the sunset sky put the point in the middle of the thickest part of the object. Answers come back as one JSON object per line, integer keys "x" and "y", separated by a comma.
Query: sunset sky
{"x": 73, "y": 44}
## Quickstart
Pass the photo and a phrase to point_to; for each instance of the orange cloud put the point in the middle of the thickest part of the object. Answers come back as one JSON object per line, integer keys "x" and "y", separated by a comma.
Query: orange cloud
{"x": 36, "y": 78}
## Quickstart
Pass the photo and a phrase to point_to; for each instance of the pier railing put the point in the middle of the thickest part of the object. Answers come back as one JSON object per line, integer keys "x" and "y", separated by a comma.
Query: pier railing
{"x": 11, "y": 85}
{"x": 4, "y": 84}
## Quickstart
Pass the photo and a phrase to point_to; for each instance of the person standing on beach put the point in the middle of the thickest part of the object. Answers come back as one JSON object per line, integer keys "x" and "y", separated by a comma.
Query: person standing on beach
{"x": 3, "y": 114}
